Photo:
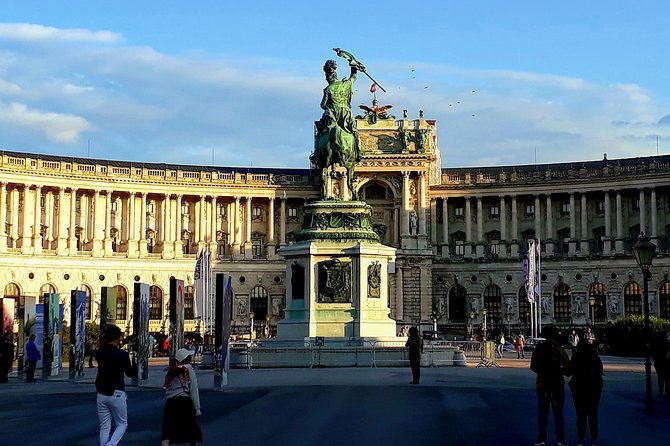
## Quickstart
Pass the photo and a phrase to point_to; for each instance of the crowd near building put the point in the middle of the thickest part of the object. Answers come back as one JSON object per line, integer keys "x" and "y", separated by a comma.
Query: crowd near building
{"x": 79, "y": 223}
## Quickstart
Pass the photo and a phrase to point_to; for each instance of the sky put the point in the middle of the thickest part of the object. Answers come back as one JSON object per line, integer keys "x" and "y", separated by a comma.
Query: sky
{"x": 239, "y": 83}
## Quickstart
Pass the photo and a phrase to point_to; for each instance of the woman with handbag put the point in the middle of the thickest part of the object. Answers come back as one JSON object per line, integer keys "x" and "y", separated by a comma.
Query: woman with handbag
{"x": 182, "y": 403}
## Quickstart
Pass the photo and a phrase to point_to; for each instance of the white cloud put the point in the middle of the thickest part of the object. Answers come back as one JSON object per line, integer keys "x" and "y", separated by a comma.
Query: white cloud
{"x": 8, "y": 88}
{"x": 32, "y": 32}
{"x": 62, "y": 128}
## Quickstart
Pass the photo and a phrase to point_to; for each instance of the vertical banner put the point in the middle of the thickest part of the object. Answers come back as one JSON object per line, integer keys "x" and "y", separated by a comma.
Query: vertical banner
{"x": 77, "y": 332}
{"x": 40, "y": 339}
{"x": 55, "y": 323}
{"x": 107, "y": 308}
{"x": 6, "y": 336}
{"x": 27, "y": 324}
{"x": 141, "y": 330}
{"x": 176, "y": 316}
{"x": 222, "y": 326}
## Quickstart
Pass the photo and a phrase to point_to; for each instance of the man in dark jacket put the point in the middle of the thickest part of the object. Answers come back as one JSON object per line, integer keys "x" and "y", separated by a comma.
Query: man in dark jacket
{"x": 113, "y": 363}
{"x": 33, "y": 355}
{"x": 550, "y": 362}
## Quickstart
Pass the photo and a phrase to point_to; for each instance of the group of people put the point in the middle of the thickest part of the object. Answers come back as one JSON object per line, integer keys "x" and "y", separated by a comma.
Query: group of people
{"x": 551, "y": 364}
{"x": 182, "y": 397}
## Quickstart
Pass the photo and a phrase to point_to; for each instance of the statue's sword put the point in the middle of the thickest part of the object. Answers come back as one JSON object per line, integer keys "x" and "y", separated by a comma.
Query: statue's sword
{"x": 350, "y": 57}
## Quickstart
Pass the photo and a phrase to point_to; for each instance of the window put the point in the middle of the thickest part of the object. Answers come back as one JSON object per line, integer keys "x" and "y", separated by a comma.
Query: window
{"x": 599, "y": 309}
{"x": 494, "y": 212}
{"x": 565, "y": 209}
{"x": 47, "y": 288}
{"x": 664, "y": 300}
{"x": 155, "y": 303}
{"x": 457, "y": 305}
{"x": 600, "y": 207}
{"x": 151, "y": 208}
{"x": 121, "y": 303}
{"x": 42, "y": 202}
{"x": 459, "y": 213}
{"x": 114, "y": 206}
{"x": 636, "y": 205}
{"x": 257, "y": 213}
{"x": 529, "y": 210}
{"x": 222, "y": 209}
{"x": 12, "y": 290}
{"x": 293, "y": 213}
{"x": 257, "y": 248}
{"x": 185, "y": 208}
{"x": 375, "y": 192}
{"x": 562, "y": 303}
{"x": 492, "y": 303}
{"x": 493, "y": 238}
{"x": 189, "y": 302}
{"x": 632, "y": 299}
{"x": 458, "y": 242}
{"x": 259, "y": 303}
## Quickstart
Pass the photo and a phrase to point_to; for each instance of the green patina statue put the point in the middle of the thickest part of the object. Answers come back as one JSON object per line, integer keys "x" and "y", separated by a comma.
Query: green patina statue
{"x": 336, "y": 137}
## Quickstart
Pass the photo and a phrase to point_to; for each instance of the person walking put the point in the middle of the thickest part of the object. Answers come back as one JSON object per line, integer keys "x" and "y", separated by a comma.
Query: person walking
{"x": 182, "y": 403}
{"x": 113, "y": 363}
{"x": 520, "y": 346}
{"x": 550, "y": 362}
{"x": 590, "y": 337}
{"x": 500, "y": 345}
{"x": 90, "y": 347}
{"x": 33, "y": 355}
{"x": 573, "y": 340}
{"x": 586, "y": 386}
{"x": 415, "y": 345}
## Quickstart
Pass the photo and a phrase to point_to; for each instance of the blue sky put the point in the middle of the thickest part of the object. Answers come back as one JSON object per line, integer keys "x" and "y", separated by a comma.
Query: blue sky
{"x": 185, "y": 82}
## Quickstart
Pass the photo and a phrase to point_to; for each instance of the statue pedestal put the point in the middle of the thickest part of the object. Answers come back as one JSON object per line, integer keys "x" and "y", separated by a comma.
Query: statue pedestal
{"x": 337, "y": 276}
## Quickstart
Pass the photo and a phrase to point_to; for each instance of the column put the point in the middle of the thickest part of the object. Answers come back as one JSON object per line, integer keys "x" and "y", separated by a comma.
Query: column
{"x": 3, "y": 217}
{"x": 479, "y": 245}
{"x": 61, "y": 245}
{"x": 468, "y": 228}
{"x": 538, "y": 218}
{"x": 143, "y": 225}
{"x": 618, "y": 241}
{"x": 503, "y": 228}
{"x": 72, "y": 235}
{"x": 132, "y": 229}
{"x": 654, "y": 229}
{"x": 405, "y": 204}
{"x": 396, "y": 226}
{"x": 271, "y": 227}
{"x": 213, "y": 244}
{"x": 584, "y": 242}
{"x": 445, "y": 228}
{"x": 49, "y": 223}
{"x": 236, "y": 227}
{"x": 178, "y": 244}
{"x": 37, "y": 223}
{"x": 97, "y": 242}
{"x": 15, "y": 228}
{"x": 607, "y": 242}
{"x": 572, "y": 244}
{"x": 549, "y": 236}
{"x": 433, "y": 224}
{"x": 282, "y": 222}
{"x": 107, "y": 241}
{"x": 643, "y": 214}
{"x": 514, "y": 245}
{"x": 422, "y": 206}
{"x": 248, "y": 254}
{"x": 168, "y": 228}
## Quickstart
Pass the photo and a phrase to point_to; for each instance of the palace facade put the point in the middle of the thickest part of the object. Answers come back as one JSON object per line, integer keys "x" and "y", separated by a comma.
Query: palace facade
{"x": 78, "y": 223}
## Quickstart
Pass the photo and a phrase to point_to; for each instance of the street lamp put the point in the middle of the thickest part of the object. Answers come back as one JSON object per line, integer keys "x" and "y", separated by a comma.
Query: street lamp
{"x": 509, "y": 331}
{"x": 484, "y": 323}
{"x": 251, "y": 327}
{"x": 434, "y": 316}
{"x": 592, "y": 309}
{"x": 644, "y": 251}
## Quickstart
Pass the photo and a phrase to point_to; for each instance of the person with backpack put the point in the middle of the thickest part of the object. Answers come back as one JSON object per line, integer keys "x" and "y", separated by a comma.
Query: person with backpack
{"x": 550, "y": 363}
{"x": 586, "y": 386}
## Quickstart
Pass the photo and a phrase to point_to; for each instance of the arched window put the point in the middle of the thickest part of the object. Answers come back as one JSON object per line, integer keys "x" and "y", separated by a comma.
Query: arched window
{"x": 189, "y": 301}
{"x": 121, "y": 303}
{"x": 598, "y": 295}
{"x": 524, "y": 305}
{"x": 12, "y": 290}
{"x": 47, "y": 288}
{"x": 375, "y": 192}
{"x": 89, "y": 293}
{"x": 562, "y": 303}
{"x": 492, "y": 303}
{"x": 664, "y": 299}
{"x": 155, "y": 303}
{"x": 457, "y": 303}
{"x": 259, "y": 302}
{"x": 632, "y": 299}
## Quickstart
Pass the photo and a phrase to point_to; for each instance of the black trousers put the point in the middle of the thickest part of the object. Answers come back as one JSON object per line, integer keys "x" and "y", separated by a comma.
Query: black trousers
{"x": 586, "y": 408}
{"x": 415, "y": 365}
{"x": 30, "y": 371}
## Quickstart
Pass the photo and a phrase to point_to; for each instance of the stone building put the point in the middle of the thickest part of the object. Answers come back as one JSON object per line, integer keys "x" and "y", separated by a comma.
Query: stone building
{"x": 78, "y": 223}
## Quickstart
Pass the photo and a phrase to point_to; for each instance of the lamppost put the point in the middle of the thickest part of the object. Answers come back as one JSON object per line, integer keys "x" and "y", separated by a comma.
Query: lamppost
{"x": 644, "y": 251}
{"x": 484, "y": 323}
{"x": 509, "y": 331}
{"x": 434, "y": 316}
{"x": 592, "y": 309}
{"x": 473, "y": 315}
{"x": 251, "y": 327}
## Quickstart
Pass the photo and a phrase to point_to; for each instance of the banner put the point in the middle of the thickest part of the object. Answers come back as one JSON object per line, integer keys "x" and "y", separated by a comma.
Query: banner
{"x": 176, "y": 316}
{"x": 141, "y": 329}
{"x": 532, "y": 271}
{"x": 52, "y": 324}
{"x": 107, "y": 308}
{"x": 6, "y": 336}
{"x": 77, "y": 332}
{"x": 40, "y": 339}
{"x": 222, "y": 327}
{"x": 202, "y": 278}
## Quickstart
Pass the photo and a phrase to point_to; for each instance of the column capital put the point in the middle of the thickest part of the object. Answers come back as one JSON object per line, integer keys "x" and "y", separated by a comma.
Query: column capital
{"x": 145, "y": 194}
{"x": 405, "y": 173}
{"x": 237, "y": 199}
{"x": 271, "y": 198}
{"x": 38, "y": 186}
